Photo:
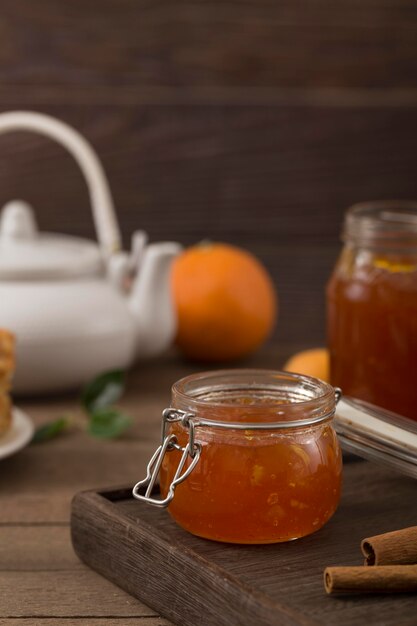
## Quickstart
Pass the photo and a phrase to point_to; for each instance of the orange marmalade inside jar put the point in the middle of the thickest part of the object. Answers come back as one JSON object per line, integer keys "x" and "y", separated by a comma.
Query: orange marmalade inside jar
{"x": 372, "y": 307}
{"x": 269, "y": 466}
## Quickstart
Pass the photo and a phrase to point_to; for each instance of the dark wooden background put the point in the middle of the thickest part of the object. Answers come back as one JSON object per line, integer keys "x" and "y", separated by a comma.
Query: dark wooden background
{"x": 251, "y": 121}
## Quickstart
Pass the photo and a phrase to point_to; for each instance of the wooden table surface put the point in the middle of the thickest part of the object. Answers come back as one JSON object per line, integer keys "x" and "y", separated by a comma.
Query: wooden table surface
{"x": 41, "y": 580}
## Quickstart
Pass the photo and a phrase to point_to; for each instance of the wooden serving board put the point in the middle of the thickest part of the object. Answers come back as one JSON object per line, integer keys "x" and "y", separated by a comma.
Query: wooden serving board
{"x": 195, "y": 582}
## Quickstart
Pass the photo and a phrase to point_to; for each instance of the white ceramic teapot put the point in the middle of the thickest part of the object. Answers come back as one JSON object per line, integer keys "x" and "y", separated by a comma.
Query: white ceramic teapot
{"x": 78, "y": 308}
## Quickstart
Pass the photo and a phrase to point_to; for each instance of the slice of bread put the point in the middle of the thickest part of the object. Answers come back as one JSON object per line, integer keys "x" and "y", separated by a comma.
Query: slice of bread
{"x": 7, "y": 366}
{"x": 7, "y": 359}
{"x": 5, "y": 414}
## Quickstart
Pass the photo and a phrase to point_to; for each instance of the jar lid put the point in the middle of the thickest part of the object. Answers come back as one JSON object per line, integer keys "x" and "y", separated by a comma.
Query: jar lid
{"x": 377, "y": 435}
{"x": 26, "y": 254}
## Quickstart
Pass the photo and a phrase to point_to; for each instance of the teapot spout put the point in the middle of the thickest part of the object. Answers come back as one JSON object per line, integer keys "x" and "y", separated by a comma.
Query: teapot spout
{"x": 151, "y": 300}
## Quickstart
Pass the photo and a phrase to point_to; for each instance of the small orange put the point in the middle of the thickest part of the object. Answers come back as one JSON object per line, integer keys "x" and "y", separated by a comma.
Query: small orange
{"x": 226, "y": 302}
{"x": 314, "y": 362}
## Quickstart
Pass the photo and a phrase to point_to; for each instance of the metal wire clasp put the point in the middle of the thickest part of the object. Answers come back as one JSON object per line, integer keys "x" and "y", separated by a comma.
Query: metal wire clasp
{"x": 169, "y": 442}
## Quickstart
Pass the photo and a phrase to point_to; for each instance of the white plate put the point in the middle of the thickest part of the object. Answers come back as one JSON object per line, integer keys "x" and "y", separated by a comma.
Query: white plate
{"x": 19, "y": 434}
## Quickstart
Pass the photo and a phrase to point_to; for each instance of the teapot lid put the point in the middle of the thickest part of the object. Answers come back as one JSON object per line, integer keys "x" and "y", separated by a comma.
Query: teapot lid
{"x": 26, "y": 254}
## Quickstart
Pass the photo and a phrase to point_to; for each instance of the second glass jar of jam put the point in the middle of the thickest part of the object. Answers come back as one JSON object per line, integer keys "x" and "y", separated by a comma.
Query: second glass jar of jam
{"x": 372, "y": 307}
{"x": 248, "y": 456}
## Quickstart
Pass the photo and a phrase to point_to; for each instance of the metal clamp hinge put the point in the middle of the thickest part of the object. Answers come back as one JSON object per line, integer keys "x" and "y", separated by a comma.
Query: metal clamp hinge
{"x": 169, "y": 442}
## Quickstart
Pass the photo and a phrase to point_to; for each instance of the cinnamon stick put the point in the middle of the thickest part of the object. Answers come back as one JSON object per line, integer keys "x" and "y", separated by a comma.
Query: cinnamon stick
{"x": 377, "y": 579}
{"x": 395, "y": 548}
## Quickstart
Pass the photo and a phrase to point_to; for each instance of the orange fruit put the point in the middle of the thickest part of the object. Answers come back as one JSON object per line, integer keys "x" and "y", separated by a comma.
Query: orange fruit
{"x": 314, "y": 362}
{"x": 226, "y": 302}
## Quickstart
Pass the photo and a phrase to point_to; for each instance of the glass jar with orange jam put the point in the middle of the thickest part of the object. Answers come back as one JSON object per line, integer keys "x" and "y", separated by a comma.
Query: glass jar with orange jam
{"x": 372, "y": 307}
{"x": 248, "y": 456}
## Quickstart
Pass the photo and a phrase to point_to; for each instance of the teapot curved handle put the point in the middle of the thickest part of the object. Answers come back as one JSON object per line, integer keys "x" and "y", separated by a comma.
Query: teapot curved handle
{"x": 104, "y": 216}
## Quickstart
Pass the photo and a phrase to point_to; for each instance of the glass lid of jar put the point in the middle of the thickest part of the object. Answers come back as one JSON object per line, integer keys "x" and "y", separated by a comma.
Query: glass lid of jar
{"x": 26, "y": 254}
{"x": 377, "y": 435}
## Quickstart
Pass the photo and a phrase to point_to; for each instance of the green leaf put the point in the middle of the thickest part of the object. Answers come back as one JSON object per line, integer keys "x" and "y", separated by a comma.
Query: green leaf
{"x": 104, "y": 391}
{"x": 50, "y": 431}
{"x": 108, "y": 423}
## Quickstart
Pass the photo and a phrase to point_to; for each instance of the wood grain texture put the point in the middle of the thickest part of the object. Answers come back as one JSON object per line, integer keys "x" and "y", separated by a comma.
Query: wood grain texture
{"x": 225, "y": 584}
{"x": 73, "y": 593}
{"x": 79, "y": 621}
{"x": 276, "y": 180}
{"x": 26, "y": 507}
{"x": 129, "y": 47}
{"x": 60, "y": 469}
{"x": 266, "y": 175}
{"x": 34, "y": 548}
